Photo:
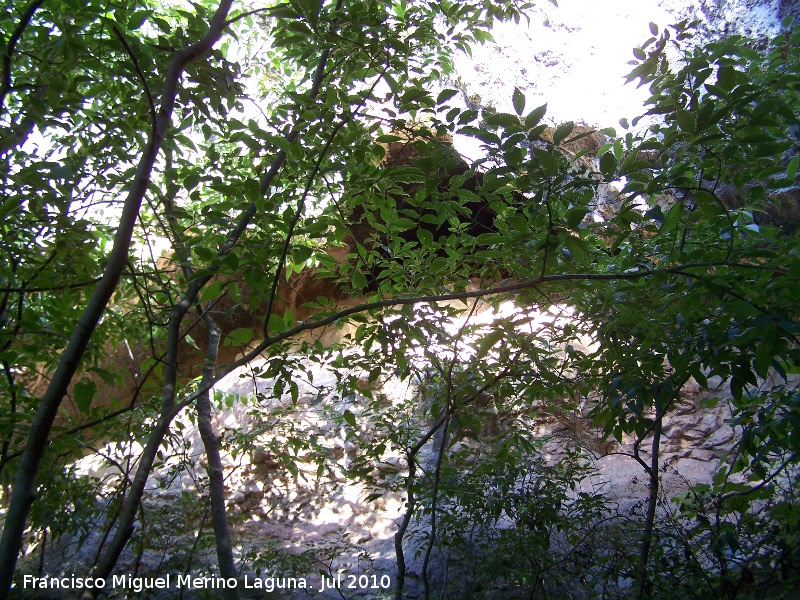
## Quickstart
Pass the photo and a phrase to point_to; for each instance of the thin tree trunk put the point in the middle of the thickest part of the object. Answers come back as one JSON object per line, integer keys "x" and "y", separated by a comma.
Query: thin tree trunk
{"x": 643, "y": 585}
{"x": 434, "y": 510}
{"x": 169, "y": 410}
{"x": 401, "y": 530}
{"x": 411, "y": 502}
{"x": 216, "y": 482}
{"x": 222, "y": 538}
{"x": 411, "y": 458}
{"x": 210, "y": 440}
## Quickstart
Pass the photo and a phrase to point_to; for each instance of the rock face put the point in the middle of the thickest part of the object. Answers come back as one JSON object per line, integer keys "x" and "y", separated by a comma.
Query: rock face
{"x": 695, "y": 438}
{"x": 782, "y": 208}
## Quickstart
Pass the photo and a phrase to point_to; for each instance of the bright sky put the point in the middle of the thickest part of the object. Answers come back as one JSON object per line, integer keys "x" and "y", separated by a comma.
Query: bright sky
{"x": 574, "y": 56}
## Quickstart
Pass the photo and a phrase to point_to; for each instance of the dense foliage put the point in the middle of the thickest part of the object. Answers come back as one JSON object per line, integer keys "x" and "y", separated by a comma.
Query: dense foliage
{"x": 248, "y": 141}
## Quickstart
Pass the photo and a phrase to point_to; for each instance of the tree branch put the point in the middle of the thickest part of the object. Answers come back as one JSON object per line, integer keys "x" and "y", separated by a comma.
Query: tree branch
{"x": 5, "y": 85}
{"x": 140, "y": 75}
{"x": 430, "y": 299}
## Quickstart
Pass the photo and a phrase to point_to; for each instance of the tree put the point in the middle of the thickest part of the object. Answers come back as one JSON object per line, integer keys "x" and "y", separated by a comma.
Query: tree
{"x": 250, "y": 139}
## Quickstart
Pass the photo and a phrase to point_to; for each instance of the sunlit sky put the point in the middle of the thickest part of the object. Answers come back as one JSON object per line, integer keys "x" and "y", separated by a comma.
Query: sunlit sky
{"x": 574, "y": 56}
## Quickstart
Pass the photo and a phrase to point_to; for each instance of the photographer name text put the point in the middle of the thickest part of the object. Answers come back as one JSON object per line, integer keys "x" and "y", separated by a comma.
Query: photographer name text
{"x": 340, "y": 581}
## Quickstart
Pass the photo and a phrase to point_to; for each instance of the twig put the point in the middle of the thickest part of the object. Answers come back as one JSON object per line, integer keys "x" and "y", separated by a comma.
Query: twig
{"x": 24, "y": 21}
{"x": 140, "y": 75}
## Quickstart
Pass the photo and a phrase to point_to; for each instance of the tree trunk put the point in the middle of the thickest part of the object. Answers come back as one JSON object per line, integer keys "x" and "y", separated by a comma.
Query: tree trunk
{"x": 643, "y": 585}
{"x": 216, "y": 483}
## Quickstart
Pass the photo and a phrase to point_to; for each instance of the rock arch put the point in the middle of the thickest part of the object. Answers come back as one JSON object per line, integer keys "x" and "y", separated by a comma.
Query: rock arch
{"x": 414, "y": 148}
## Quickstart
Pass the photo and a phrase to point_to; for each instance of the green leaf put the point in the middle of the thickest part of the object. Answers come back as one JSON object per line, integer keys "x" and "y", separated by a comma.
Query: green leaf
{"x": 488, "y": 342}
{"x": 403, "y": 225}
{"x": 562, "y": 131}
{"x": 673, "y": 218}
{"x": 310, "y": 8}
{"x": 276, "y": 324}
{"x": 137, "y": 19}
{"x": 502, "y": 120}
{"x": 239, "y": 336}
{"x": 685, "y": 120}
{"x": 290, "y": 465}
{"x": 707, "y": 203}
{"x": 532, "y": 120}
{"x": 791, "y": 169}
{"x": 644, "y": 72}
{"x": 518, "y": 99}
{"x": 302, "y": 253}
{"x": 414, "y": 96}
{"x": 608, "y": 166}
{"x": 84, "y": 391}
{"x": 350, "y": 418}
{"x": 655, "y": 214}
{"x": 445, "y": 95}
{"x": 283, "y": 11}
{"x": 575, "y": 216}
{"x": 549, "y": 164}
{"x": 191, "y": 181}
{"x": 212, "y": 291}
{"x": 425, "y": 238}
{"x": 726, "y": 77}
{"x": 577, "y": 247}
{"x": 467, "y": 116}
{"x": 235, "y": 292}
{"x": 359, "y": 280}
{"x": 535, "y": 132}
